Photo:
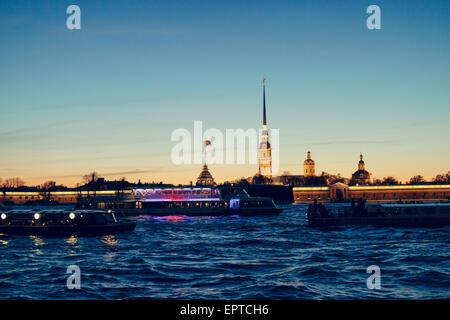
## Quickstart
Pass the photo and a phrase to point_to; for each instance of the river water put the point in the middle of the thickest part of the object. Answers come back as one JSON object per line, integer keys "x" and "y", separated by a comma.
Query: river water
{"x": 276, "y": 257}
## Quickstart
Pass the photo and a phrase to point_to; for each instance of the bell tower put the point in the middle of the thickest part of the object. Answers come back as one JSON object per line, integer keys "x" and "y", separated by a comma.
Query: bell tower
{"x": 309, "y": 167}
{"x": 265, "y": 150}
{"x": 361, "y": 164}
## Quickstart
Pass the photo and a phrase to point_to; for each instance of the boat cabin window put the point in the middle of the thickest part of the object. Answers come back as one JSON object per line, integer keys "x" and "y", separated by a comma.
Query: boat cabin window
{"x": 234, "y": 203}
{"x": 109, "y": 218}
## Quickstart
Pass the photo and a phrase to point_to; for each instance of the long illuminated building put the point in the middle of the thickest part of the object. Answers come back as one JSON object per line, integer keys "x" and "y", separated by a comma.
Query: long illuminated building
{"x": 338, "y": 191}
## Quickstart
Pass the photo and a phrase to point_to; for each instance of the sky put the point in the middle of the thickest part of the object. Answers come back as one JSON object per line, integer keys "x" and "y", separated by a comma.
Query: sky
{"x": 107, "y": 97}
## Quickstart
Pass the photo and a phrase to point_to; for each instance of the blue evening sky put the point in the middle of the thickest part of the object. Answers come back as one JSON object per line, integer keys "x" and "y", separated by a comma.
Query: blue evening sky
{"x": 108, "y": 96}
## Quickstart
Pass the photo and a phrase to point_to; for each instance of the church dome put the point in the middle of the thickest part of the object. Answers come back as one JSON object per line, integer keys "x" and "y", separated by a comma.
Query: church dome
{"x": 205, "y": 177}
{"x": 205, "y": 174}
{"x": 308, "y": 159}
{"x": 361, "y": 176}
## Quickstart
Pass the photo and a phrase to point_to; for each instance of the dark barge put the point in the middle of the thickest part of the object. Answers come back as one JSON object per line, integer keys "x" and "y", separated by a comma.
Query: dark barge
{"x": 62, "y": 223}
{"x": 394, "y": 215}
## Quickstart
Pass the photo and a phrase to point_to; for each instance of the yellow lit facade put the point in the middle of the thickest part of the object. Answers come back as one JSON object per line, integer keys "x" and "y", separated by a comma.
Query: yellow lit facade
{"x": 309, "y": 167}
{"x": 340, "y": 191}
{"x": 62, "y": 197}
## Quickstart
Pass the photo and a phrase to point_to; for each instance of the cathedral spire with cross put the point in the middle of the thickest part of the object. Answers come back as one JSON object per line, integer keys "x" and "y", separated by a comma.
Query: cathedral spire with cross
{"x": 264, "y": 103}
{"x": 265, "y": 151}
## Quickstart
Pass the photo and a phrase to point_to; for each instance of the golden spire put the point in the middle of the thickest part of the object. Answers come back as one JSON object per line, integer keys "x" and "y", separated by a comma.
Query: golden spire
{"x": 264, "y": 102}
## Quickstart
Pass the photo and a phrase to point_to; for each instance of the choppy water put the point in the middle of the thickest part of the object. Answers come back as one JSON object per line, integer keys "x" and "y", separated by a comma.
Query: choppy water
{"x": 231, "y": 258}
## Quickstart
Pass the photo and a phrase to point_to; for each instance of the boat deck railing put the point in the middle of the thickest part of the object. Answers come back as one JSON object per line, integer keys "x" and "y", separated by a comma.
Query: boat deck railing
{"x": 176, "y": 194}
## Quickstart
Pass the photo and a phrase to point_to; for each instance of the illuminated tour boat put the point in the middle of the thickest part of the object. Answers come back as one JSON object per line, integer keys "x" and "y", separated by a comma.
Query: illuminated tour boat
{"x": 191, "y": 201}
{"x": 61, "y": 223}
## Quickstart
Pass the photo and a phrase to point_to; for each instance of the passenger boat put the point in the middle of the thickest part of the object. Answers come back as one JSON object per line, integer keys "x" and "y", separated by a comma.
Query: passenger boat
{"x": 395, "y": 215}
{"x": 60, "y": 223}
{"x": 218, "y": 201}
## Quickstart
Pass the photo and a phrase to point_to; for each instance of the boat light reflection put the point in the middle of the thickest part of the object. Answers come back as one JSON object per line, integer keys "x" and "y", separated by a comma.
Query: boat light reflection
{"x": 110, "y": 240}
{"x": 171, "y": 218}
{"x": 71, "y": 240}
